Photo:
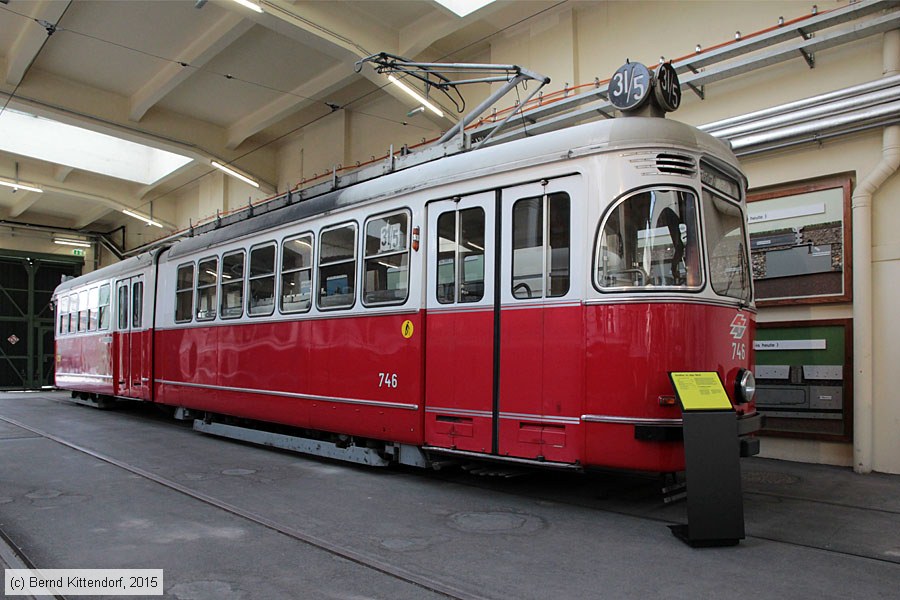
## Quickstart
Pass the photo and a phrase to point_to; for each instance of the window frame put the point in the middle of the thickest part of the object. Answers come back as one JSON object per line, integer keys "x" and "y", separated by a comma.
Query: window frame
{"x": 83, "y": 312}
{"x": 189, "y": 290}
{"x": 222, "y": 285}
{"x": 62, "y": 316}
{"x": 322, "y": 231}
{"x": 214, "y": 285}
{"x": 311, "y": 268}
{"x": 73, "y": 314}
{"x": 366, "y": 258}
{"x": 546, "y": 270}
{"x": 137, "y": 305}
{"x": 715, "y": 194}
{"x": 459, "y": 265}
{"x": 251, "y": 278}
{"x": 701, "y": 240}
{"x": 93, "y": 308}
{"x": 107, "y": 306}
{"x": 126, "y": 306}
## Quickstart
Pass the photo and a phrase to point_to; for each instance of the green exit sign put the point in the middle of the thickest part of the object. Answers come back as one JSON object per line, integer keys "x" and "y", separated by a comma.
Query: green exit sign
{"x": 78, "y": 252}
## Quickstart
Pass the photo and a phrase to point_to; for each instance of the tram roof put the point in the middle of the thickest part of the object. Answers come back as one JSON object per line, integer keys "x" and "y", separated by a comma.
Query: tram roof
{"x": 125, "y": 267}
{"x": 592, "y": 138}
{"x": 597, "y": 137}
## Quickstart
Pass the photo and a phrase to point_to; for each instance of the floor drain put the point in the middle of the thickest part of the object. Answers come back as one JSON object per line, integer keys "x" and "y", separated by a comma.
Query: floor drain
{"x": 238, "y": 472}
{"x": 495, "y": 522}
{"x": 770, "y": 478}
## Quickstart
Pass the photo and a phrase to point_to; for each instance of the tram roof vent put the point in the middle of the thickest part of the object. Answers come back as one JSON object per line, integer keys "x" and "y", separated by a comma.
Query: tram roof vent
{"x": 676, "y": 164}
{"x": 664, "y": 163}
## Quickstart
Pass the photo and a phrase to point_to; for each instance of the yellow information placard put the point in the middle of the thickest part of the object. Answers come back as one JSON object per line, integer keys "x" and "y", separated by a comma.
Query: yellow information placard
{"x": 700, "y": 390}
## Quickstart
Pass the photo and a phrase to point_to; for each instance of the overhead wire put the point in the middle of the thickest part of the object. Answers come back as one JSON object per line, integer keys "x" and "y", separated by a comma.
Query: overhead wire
{"x": 50, "y": 30}
{"x": 544, "y": 99}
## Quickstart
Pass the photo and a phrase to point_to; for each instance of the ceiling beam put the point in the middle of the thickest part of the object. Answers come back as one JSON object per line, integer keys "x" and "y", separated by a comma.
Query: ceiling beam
{"x": 23, "y": 203}
{"x": 314, "y": 91}
{"x": 90, "y": 216}
{"x": 324, "y": 27}
{"x": 199, "y": 52}
{"x": 31, "y": 39}
{"x": 113, "y": 205}
{"x": 62, "y": 172}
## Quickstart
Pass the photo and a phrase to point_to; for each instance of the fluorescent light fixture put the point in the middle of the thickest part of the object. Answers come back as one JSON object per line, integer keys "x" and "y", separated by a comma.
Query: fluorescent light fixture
{"x": 68, "y": 242}
{"x": 141, "y": 217}
{"x": 21, "y": 186}
{"x": 251, "y": 5}
{"x": 51, "y": 141}
{"x": 419, "y": 97}
{"x": 462, "y": 8}
{"x": 234, "y": 173}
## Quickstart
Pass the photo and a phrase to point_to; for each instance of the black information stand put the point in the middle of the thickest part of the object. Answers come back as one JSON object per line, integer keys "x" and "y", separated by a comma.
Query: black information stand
{"x": 712, "y": 461}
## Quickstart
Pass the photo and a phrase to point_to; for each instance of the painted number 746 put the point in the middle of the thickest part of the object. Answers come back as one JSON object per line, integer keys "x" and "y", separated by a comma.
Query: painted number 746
{"x": 738, "y": 351}
{"x": 387, "y": 380}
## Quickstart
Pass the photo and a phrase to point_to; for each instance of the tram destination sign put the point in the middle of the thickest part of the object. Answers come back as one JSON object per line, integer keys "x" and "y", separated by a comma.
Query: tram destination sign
{"x": 667, "y": 89}
{"x": 630, "y": 86}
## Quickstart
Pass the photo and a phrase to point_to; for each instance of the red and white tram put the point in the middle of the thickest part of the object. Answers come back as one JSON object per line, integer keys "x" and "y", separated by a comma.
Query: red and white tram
{"x": 520, "y": 302}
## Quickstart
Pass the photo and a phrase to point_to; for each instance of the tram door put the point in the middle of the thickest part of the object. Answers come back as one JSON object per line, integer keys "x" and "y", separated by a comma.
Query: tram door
{"x": 459, "y": 344}
{"x": 132, "y": 379}
{"x": 541, "y": 339}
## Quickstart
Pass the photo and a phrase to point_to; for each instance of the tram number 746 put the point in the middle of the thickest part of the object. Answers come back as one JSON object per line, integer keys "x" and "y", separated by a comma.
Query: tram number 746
{"x": 387, "y": 380}
{"x": 738, "y": 350}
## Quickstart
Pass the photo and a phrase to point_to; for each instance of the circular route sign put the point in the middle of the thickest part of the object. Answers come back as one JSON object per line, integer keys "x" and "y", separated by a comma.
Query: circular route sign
{"x": 630, "y": 86}
{"x": 668, "y": 89}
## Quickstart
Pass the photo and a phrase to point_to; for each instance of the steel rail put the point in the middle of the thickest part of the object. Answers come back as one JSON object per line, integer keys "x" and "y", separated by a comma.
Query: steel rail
{"x": 370, "y": 562}
{"x": 412, "y": 578}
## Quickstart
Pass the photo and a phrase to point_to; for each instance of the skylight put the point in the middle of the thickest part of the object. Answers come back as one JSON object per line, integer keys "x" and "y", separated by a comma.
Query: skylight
{"x": 48, "y": 140}
{"x": 463, "y": 7}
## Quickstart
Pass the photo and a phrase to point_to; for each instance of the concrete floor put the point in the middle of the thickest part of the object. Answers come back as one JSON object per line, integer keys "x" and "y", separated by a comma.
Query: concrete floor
{"x": 278, "y": 525}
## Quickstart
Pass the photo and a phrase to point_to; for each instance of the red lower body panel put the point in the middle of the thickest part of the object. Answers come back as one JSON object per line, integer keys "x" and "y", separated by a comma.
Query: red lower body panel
{"x": 352, "y": 375}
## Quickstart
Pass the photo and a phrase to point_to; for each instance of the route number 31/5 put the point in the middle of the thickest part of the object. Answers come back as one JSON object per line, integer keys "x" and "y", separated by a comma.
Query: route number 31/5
{"x": 387, "y": 380}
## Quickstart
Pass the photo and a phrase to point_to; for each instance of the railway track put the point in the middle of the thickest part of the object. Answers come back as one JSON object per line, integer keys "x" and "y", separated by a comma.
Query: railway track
{"x": 370, "y": 562}
{"x": 424, "y": 581}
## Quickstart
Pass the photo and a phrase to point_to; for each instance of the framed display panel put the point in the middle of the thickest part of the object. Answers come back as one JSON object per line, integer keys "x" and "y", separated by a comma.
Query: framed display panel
{"x": 804, "y": 376}
{"x": 800, "y": 242}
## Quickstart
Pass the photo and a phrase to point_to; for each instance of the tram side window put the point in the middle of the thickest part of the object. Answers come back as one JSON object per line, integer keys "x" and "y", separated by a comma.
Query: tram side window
{"x": 337, "y": 267}
{"x": 122, "y": 304}
{"x": 296, "y": 274}
{"x": 93, "y": 308}
{"x": 541, "y": 233}
{"x": 729, "y": 270}
{"x": 460, "y": 256}
{"x": 650, "y": 240}
{"x": 262, "y": 281}
{"x": 73, "y": 313}
{"x": 387, "y": 260}
{"x": 63, "y": 314}
{"x": 207, "y": 280}
{"x": 104, "y": 306}
{"x": 184, "y": 293}
{"x": 137, "y": 305}
{"x": 233, "y": 285}
{"x": 83, "y": 311}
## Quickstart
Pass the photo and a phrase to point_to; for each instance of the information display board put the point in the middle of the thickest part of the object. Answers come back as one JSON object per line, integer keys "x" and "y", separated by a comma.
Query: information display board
{"x": 700, "y": 390}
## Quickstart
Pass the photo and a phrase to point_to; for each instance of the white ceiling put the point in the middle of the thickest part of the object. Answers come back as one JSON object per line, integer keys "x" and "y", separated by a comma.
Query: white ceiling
{"x": 247, "y": 78}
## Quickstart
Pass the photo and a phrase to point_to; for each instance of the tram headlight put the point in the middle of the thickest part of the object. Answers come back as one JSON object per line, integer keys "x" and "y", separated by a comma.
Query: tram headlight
{"x": 745, "y": 386}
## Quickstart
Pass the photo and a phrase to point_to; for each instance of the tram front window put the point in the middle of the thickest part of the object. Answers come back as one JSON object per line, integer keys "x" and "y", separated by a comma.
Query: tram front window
{"x": 650, "y": 240}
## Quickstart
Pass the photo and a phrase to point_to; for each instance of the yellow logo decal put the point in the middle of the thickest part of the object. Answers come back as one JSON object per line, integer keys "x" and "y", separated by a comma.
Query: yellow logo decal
{"x": 407, "y": 329}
